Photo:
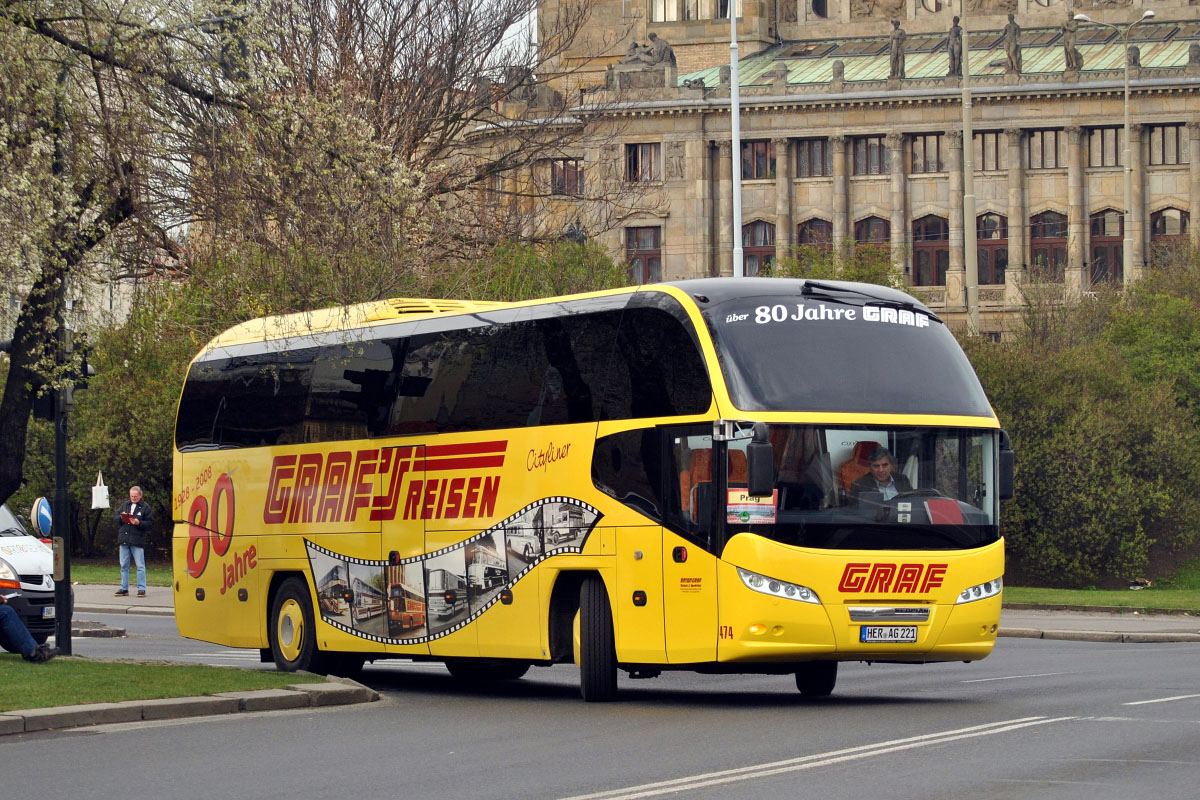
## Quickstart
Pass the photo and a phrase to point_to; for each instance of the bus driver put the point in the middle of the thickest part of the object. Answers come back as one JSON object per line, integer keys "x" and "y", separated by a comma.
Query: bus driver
{"x": 883, "y": 477}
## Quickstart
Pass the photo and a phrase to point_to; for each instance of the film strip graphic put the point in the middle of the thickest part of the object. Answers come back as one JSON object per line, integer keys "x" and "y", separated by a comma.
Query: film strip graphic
{"x": 586, "y": 515}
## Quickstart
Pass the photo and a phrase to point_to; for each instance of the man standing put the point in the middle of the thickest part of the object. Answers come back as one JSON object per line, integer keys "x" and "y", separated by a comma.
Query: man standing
{"x": 135, "y": 520}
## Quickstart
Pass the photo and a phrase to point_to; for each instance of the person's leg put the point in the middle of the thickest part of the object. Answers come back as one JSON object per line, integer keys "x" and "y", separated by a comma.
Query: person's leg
{"x": 14, "y": 636}
{"x": 139, "y": 558}
{"x": 124, "y": 556}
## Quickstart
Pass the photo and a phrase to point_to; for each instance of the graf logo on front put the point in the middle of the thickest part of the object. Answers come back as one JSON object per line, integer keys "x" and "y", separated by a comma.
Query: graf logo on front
{"x": 415, "y": 482}
{"x": 869, "y": 578}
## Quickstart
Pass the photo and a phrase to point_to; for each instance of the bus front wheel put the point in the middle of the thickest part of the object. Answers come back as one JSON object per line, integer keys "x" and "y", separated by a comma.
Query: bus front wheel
{"x": 597, "y": 648}
{"x": 292, "y": 630}
{"x": 816, "y": 678}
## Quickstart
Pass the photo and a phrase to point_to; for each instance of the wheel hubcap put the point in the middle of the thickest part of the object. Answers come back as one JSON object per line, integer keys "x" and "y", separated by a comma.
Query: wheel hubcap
{"x": 290, "y": 630}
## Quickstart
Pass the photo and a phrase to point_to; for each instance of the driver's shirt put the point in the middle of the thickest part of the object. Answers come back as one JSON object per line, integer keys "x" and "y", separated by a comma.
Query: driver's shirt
{"x": 889, "y": 489}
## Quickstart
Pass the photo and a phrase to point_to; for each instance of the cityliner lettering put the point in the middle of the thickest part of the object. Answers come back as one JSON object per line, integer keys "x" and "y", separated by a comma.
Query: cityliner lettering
{"x": 894, "y": 578}
{"x": 340, "y": 486}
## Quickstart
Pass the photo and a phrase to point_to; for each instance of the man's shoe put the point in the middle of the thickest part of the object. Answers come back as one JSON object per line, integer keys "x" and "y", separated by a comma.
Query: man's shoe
{"x": 141, "y": 592}
{"x": 42, "y": 653}
{"x": 121, "y": 593}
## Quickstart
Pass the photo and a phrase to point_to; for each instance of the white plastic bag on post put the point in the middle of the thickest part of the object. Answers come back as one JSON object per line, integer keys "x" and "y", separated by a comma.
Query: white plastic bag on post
{"x": 99, "y": 492}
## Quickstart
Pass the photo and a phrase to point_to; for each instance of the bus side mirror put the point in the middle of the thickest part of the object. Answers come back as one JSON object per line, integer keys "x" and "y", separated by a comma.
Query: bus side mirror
{"x": 760, "y": 463}
{"x": 1008, "y": 461}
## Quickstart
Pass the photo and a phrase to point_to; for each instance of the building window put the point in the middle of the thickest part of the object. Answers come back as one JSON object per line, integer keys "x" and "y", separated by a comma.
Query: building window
{"x": 932, "y": 5}
{"x": 758, "y": 159}
{"x": 1047, "y": 149}
{"x": 758, "y": 247}
{"x": 643, "y": 251}
{"x": 1105, "y": 146}
{"x": 927, "y": 153}
{"x": 566, "y": 176}
{"x": 872, "y": 230}
{"x": 1168, "y": 223}
{"x": 1168, "y": 145}
{"x": 664, "y": 10}
{"x": 990, "y": 152}
{"x": 643, "y": 162}
{"x": 691, "y": 9}
{"x": 991, "y": 243}
{"x": 721, "y": 7}
{"x": 816, "y": 233}
{"x": 931, "y": 250}
{"x": 871, "y": 156}
{"x": 1107, "y": 249}
{"x": 820, "y": 9}
{"x": 1048, "y": 244}
{"x": 814, "y": 159}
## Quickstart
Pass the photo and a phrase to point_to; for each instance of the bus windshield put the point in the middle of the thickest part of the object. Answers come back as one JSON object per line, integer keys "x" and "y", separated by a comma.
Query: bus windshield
{"x": 841, "y": 352}
{"x": 873, "y": 488}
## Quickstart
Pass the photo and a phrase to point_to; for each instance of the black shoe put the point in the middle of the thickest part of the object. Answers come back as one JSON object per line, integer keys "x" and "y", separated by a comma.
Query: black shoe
{"x": 141, "y": 593}
{"x": 121, "y": 593}
{"x": 42, "y": 653}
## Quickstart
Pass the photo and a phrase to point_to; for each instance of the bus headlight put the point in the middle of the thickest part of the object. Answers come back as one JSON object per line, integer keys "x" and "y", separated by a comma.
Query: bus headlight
{"x": 981, "y": 591}
{"x": 778, "y": 588}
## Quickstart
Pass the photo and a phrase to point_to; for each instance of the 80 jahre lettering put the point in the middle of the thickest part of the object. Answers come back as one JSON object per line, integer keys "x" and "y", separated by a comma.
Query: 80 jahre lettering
{"x": 780, "y": 313}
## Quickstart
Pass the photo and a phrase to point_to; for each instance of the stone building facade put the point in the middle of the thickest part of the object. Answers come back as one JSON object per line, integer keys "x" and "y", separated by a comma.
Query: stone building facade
{"x": 837, "y": 148}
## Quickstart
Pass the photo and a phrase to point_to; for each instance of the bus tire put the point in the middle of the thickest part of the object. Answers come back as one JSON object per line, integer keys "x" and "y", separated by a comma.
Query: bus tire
{"x": 479, "y": 671}
{"x": 291, "y": 629}
{"x": 597, "y": 649}
{"x": 816, "y": 678}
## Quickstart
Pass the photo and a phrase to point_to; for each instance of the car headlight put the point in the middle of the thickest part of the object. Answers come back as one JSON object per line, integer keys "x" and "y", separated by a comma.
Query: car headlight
{"x": 777, "y": 588}
{"x": 8, "y": 575}
{"x": 981, "y": 591}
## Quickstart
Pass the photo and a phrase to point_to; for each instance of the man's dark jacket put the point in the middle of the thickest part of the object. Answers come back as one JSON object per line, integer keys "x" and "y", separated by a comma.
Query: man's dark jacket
{"x": 134, "y": 535}
{"x": 867, "y": 484}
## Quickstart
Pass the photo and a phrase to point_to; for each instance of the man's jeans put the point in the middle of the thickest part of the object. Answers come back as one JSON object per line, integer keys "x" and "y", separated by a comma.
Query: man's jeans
{"x": 139, "y": 558}
{"x": 14, "y": 636}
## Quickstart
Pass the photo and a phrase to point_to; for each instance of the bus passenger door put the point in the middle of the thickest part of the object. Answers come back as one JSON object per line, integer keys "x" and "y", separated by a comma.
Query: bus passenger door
{"x": 403, "y": 544}
{"x": 690, "y": 571}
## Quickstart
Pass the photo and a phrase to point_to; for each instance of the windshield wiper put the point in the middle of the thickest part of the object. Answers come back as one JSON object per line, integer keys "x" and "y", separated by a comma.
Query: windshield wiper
{"x": 811, "y": 289}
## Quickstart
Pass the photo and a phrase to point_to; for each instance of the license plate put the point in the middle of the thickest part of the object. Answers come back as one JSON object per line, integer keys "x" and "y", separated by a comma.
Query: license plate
{"x": 888, "y": 633}
{"x": 47, "y": 612}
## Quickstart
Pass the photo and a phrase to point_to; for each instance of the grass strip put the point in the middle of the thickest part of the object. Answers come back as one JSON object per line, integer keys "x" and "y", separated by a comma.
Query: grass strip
{"x": 109, "y": 571}
{"x": 1150, "y": 599}
{"x": 76, "y": 680}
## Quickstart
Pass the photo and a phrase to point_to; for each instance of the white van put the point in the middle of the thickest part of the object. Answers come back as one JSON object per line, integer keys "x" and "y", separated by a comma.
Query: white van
{"x": 27, "y": 575}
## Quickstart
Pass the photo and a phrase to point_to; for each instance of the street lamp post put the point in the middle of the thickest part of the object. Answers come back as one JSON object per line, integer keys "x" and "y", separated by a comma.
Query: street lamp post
{"x": 1127, "y": 242}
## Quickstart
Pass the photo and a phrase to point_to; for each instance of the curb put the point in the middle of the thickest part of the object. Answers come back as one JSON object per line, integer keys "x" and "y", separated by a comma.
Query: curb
{"x": 1098, "y": 636}
{"x": 334, "y": 692}
{"x": 112, "y": 608}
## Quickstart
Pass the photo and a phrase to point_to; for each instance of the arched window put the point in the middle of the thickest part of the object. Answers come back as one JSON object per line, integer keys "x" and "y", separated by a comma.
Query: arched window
{"x": 815, "y": 233}
{"x": 931, "y": 250}
{"x": 758, "y": 246}
{"x": 820, "y": 8}
{"x": 872, "y": 230}
{"x": 1107, "y": 249}
{"x": 1168, "y": 224}
{"x": 1048, "y": 245}
{"x": 991, "y": 243}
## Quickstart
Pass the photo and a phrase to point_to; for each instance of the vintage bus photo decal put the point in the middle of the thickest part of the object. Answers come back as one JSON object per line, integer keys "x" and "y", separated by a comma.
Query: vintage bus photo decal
{"x": 435, "y": 594}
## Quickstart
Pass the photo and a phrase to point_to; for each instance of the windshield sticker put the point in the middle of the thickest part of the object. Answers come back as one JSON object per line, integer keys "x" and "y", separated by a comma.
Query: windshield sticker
{"x": 765, "y": 315}
{"x": 748, "y": 509}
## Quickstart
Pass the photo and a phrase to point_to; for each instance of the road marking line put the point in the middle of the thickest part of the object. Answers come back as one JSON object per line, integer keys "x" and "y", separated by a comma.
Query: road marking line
{"x": 816, "y": 760}
{"x": 1162, "y": 700}
{"x": 1016, "y": 677}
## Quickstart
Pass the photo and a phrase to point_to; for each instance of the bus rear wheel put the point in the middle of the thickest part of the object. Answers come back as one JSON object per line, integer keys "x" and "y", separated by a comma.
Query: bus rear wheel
{"x": 816, "y": 678}
{"x": 291, "y": 629}
{"x": 597, "y": 648}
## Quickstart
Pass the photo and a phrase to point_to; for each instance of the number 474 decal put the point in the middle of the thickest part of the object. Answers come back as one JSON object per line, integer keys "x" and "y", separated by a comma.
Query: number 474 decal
{"x": 724, "y": 631}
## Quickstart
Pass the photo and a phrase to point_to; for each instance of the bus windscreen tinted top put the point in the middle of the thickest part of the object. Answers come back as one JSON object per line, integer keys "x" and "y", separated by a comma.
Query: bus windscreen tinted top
{"x": 841, "y": 352}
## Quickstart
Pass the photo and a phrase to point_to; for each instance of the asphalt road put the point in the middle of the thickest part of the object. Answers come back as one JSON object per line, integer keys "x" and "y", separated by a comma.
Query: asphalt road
{"x": 1038, "y": 719}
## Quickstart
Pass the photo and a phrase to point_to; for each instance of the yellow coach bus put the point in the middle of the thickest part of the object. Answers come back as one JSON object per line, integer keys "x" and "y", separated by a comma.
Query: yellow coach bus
{"x": 718, "y": 475}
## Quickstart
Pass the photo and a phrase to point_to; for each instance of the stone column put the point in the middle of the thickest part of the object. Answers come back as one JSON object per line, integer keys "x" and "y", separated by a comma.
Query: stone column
{"x": 784, "y": 230}
{"x": 1193, "y": 129}
{"x": 1137, "y": 214}
{"x": 841, "y": 194}
{"x": 1018, "y": 216}
{"x": 723, "y": 256}
{"x": 1076, "y": 211}
{"x": 956, "y": 275}
{"x": 899, "y": 219}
